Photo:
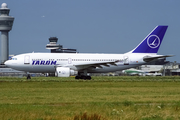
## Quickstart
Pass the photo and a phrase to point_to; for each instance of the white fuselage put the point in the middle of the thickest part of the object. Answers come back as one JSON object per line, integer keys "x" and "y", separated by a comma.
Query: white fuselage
{"x": 47, "y": 62}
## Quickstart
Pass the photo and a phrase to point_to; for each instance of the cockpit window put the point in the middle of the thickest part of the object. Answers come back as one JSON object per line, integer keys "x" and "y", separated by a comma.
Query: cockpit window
{"x": 13, "y": 58}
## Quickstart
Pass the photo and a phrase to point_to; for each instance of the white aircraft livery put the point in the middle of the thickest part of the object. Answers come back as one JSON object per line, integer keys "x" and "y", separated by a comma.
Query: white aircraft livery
{"x": 80, "y": 64}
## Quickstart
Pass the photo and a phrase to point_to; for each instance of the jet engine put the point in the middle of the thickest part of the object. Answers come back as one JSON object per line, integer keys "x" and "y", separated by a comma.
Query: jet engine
{"x": 65, "y": 72}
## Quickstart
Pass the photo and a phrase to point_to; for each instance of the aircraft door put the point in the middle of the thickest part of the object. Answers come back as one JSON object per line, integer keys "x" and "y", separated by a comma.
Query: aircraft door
{"x": 126, "y": 60}
{"x": 26, "y": 59}
{"x": 69, "y": 60}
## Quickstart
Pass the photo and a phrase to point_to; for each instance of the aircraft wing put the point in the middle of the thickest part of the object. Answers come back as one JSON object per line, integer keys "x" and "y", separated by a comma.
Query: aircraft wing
{"x": 99, "y": 64}
{"x": 149, "y": 58}
{"x": 92, "y": 65}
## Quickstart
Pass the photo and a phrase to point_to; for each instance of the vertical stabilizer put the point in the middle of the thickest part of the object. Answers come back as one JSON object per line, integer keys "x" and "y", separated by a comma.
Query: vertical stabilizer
{"x": 152, "y": 42}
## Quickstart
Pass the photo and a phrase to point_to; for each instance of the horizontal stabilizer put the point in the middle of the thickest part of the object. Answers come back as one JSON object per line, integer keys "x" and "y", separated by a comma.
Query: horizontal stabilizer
{"x": 149, "y": 58}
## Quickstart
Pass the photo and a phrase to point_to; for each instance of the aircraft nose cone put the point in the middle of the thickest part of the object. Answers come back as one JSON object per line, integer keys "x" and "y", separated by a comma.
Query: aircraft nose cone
{"x": 6, "y": 63}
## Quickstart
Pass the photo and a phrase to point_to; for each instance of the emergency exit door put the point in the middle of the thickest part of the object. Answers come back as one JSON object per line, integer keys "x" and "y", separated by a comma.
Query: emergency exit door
{"x": 26, "y": 59}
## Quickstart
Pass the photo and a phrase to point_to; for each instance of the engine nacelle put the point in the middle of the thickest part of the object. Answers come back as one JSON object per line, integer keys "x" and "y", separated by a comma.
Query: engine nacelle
{"x": 65, "y": 72}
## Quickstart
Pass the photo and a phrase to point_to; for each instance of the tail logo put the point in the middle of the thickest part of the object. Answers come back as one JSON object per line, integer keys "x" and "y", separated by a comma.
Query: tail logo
{"x": 153, "y": 41}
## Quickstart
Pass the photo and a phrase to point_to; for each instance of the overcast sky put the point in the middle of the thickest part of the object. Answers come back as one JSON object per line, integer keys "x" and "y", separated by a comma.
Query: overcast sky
{"x": 92, "y": 26}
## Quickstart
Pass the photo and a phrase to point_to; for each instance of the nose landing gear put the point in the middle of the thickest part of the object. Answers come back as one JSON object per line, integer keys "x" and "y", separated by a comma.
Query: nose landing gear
{"x": 28, "y": 76}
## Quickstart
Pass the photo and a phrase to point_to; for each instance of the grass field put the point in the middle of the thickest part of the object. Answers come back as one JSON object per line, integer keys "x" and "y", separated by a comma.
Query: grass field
{"x": 102, "y": 98}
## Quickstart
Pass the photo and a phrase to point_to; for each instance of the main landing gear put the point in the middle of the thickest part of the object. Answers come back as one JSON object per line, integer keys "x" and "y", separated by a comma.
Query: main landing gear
{"x": 83, "y": 77}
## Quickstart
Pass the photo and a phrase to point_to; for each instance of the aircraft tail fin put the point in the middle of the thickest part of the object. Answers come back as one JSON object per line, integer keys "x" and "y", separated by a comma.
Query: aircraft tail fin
{"x": 152, "y": 42}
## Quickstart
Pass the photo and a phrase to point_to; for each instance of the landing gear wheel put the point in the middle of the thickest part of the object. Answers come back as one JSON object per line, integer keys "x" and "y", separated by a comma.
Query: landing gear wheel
{"x": 83, "y": 77}
{"x": 77, "y": 77}
{"x": 88, "y": 77}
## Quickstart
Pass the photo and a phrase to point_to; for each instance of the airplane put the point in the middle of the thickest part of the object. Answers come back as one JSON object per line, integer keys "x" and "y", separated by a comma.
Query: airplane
{"x": 133, "y": 71}
{"x": 81, "y": 64}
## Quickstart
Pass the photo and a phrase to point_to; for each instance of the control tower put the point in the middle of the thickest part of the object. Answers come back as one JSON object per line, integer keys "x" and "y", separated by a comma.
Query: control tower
{"x": 57, "y": 48}
{"x": 53, "y": 46}
{"x": 6, "y": 23}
